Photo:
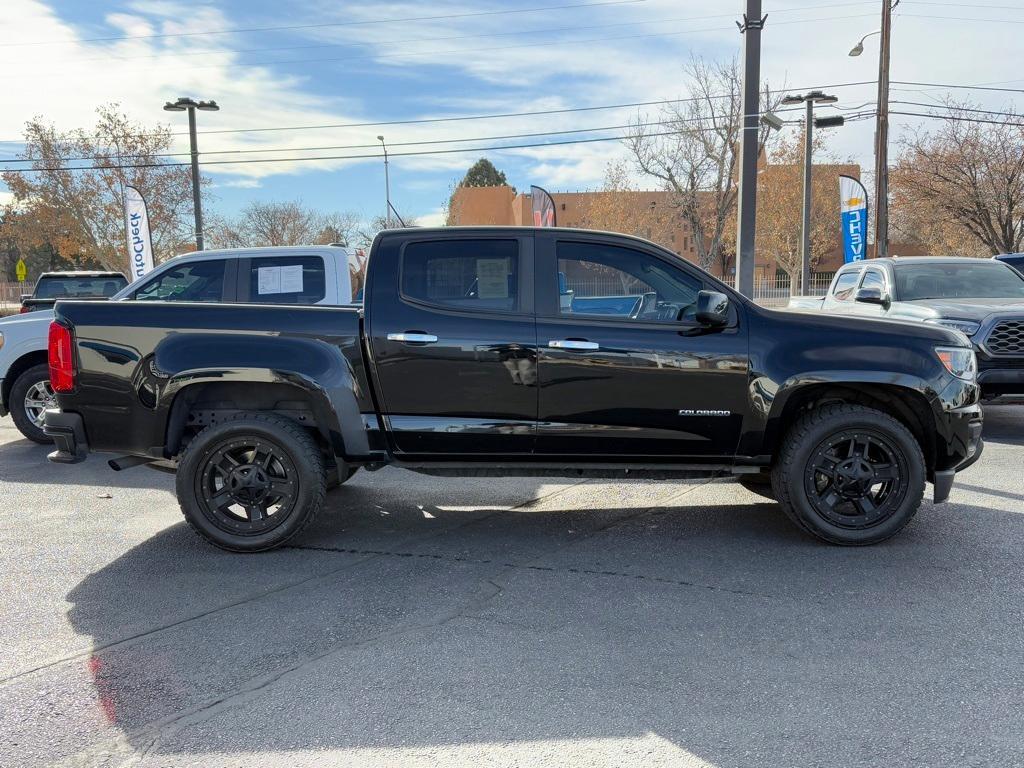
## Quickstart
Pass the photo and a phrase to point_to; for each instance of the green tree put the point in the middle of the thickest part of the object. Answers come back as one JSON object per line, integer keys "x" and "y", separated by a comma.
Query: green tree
{"x": 483, "y": 174}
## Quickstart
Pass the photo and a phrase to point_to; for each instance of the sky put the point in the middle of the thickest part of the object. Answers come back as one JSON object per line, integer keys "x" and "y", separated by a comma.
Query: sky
{"x": 302, "y": 65}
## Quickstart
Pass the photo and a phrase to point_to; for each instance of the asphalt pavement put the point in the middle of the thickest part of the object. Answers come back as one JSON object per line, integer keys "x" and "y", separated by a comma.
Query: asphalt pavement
{"x": 428, "y": 621}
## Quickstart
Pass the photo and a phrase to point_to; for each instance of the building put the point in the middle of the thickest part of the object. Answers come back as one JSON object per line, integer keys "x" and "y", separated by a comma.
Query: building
{"x": 648, "y": 213}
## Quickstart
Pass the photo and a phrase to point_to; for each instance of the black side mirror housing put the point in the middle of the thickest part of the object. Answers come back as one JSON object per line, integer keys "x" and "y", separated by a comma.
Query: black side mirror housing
{"x": 712, "y": 309}
{"x": 871, "y": 296}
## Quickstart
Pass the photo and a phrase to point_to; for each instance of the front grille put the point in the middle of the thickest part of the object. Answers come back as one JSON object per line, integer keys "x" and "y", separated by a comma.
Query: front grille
{"x": 1006, "y": 339}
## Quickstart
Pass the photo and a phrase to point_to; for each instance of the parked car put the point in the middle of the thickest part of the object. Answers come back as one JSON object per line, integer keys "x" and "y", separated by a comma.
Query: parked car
{"x": 51, "y": 286}
{"x": 1015, "y": 260}
{"x": 237, "y": 275}
{"x": 981, "y": 298}
{"x": 465, "y": 359}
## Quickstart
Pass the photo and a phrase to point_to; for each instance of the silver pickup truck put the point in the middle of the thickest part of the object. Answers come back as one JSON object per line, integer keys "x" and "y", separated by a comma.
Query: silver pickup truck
{"x": 981, "y": 298}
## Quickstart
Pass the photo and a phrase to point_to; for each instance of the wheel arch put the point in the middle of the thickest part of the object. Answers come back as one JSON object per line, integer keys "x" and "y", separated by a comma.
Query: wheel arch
{"x": 334, "y": 413}
{"x": 18, "y": 367}
{"x": 904, "y": 401}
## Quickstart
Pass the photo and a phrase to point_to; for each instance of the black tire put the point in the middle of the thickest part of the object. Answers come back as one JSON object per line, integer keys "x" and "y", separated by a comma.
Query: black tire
{"x": 849, "y": 475}
{"x": 31, "y": 381}
{"x": 759, "y": 484}
{"x": 266, "y": 466}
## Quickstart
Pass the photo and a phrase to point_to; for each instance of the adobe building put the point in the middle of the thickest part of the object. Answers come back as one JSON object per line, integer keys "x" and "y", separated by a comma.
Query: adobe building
{"x": 502, "y": 206}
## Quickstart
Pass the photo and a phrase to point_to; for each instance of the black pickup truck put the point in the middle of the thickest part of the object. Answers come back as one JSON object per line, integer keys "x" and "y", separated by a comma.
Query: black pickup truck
{"x": 517, "y": 351}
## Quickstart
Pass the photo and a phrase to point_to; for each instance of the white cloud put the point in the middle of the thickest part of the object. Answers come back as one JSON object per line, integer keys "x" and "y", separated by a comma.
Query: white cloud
{"x": 435, "y": 218}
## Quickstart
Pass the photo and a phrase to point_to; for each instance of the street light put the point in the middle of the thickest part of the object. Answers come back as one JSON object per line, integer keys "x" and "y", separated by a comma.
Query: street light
{"x": 858, "y": 49}
{"x": 387, "y": 185}
{"x": 810, "y": 99}
{"x": 184, "y": 104}
{"x": 881, "y": 128}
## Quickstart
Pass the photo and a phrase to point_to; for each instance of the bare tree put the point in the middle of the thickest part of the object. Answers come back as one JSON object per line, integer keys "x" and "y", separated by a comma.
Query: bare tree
{"x": 691, "y": 147}
{"x": 80, "y": 213}
{"x": 967, "y": 173}
{"x": 284, "y": 223}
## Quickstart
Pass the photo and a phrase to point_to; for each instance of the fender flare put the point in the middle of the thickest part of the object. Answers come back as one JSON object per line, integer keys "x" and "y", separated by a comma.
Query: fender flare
{"x": 325, "y": 376}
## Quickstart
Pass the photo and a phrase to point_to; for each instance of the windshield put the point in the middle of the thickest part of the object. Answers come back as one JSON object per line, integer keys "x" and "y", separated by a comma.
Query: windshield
{"x": 976, "y": 280}
{"x": 64, "y": 287}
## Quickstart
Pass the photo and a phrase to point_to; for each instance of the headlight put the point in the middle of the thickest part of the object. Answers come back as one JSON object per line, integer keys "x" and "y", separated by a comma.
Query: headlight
{"x": 959, "y": 361}
{"x": 966, "y": 327}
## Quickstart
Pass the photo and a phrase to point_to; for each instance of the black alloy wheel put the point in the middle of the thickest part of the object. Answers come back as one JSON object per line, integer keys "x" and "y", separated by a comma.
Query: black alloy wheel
{"x": 857, "y": 478}
{"x": 251, "y": 482}
{"x": 849, "y": 474}
{"x": 247, "y": 486}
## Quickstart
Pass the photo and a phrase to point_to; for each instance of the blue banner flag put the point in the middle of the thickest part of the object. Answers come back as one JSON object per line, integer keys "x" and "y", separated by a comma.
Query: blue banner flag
{"x": 854, "y": 207}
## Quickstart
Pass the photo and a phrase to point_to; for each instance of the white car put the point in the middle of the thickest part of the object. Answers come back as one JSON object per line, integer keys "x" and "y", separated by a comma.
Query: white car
{"x": 315, "y": 274}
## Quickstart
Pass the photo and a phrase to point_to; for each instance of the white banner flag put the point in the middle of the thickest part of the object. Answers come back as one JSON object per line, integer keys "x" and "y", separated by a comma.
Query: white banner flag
{"x": 136, "y": 222}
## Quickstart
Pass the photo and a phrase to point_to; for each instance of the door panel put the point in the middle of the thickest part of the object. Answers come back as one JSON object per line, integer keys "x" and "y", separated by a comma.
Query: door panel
{"x": 456, "y": 356}
{"x": 621, "y": 379}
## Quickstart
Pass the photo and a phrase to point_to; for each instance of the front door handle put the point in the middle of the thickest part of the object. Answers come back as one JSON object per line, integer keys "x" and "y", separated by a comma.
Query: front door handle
{"x": 413, "y": 337}
{"x": 575, "y": 344}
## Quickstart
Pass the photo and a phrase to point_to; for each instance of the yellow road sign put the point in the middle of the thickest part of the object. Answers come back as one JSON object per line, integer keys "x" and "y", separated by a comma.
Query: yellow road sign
{"x": 21, "y": 270}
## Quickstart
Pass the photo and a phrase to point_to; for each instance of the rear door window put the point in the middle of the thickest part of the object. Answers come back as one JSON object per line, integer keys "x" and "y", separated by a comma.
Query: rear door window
{"x": 480, "y": 275}
{"x": 287, "y": 280}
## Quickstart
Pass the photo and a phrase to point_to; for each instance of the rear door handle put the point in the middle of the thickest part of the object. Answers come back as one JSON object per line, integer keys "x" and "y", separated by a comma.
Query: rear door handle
{"x": 576, "y": 344}
{"x": 413, "y": 337}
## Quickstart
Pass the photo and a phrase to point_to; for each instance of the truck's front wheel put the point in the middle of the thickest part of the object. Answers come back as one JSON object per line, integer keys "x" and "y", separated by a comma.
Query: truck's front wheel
{"x": 31, "y": 395}
{"x": 849, "y": 474}
{"x": 251, "y": 483}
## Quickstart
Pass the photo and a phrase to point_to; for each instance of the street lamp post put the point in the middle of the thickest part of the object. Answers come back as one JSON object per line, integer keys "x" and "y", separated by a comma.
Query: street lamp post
{"x": 810, "y": 99}
{"x": 881, "y": 128}
{"x": 387, "y": 185}
{"x": 190, "y": 105}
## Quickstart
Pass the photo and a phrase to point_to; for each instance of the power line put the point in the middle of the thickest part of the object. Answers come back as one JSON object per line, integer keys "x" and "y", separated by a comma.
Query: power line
{"x": 948, "y": 86}
{"x": 373, "y": 156}
{"x": 464, "y": 118}
{"x": 424, "y": 142}
{"x": 955, "y": 108}
{"x": 321, "y": 25}
{"x": 960, "y": 119}
{"x": 958, "y": 18}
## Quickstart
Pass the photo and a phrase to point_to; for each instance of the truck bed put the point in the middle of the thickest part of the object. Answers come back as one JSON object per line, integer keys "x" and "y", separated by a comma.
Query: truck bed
{"x": 134, "y": 357}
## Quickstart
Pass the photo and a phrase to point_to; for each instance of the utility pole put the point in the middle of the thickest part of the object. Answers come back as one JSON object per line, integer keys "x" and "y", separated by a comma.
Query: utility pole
{"x": 190, "y": 105}
{"x": 746, "y": 215}
{"x": 387, "y": 186}
{"x": 810, "y": 99}
{"x": 882, "y": 136}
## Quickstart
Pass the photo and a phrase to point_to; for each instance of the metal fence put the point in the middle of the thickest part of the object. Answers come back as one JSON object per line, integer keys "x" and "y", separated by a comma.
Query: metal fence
{"x": 10, "y": 296}
{"x": 776, "y": 293}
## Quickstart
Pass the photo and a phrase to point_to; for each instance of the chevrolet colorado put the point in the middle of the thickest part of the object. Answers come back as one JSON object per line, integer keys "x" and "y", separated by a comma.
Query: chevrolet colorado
{"x": 539, "y": 352}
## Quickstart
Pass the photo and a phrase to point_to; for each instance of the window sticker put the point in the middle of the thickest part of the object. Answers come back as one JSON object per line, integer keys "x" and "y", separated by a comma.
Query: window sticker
{"x": 492, "y": 278}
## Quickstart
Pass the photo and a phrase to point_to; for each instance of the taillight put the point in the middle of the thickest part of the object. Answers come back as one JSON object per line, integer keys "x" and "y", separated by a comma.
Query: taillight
{"x": 62, "y": 367}
{"x": 23, "y": 310}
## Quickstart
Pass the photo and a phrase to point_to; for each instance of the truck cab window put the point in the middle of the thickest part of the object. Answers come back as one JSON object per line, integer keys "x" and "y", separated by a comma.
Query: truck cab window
{"x": 287, "y": 280}
{"x": 845, "y": 283}
{"x": 197, "y": 281}
{"x": 463, "y": 274}
{"x": 613, "y": 282}
{"x": 873, "y": 279}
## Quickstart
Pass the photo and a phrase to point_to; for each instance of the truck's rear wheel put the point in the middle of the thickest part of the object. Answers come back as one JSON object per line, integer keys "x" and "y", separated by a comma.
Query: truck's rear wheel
{"x": 850, "y": 475}
{"x": 251, "y": 483}
{"x": 31, "y": 395}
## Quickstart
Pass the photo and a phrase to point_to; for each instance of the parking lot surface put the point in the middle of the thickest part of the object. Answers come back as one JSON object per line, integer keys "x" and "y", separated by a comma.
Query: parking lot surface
{"x": 427, "y": 621}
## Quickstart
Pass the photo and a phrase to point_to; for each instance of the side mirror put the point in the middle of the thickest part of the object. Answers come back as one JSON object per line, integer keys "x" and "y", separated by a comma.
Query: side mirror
{"x": 871, "y": 296}
{"x": 712, "y": 309}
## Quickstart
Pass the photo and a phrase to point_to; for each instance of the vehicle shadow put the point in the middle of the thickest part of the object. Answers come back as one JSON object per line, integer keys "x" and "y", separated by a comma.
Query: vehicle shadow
{"x": 715, "y": 632}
